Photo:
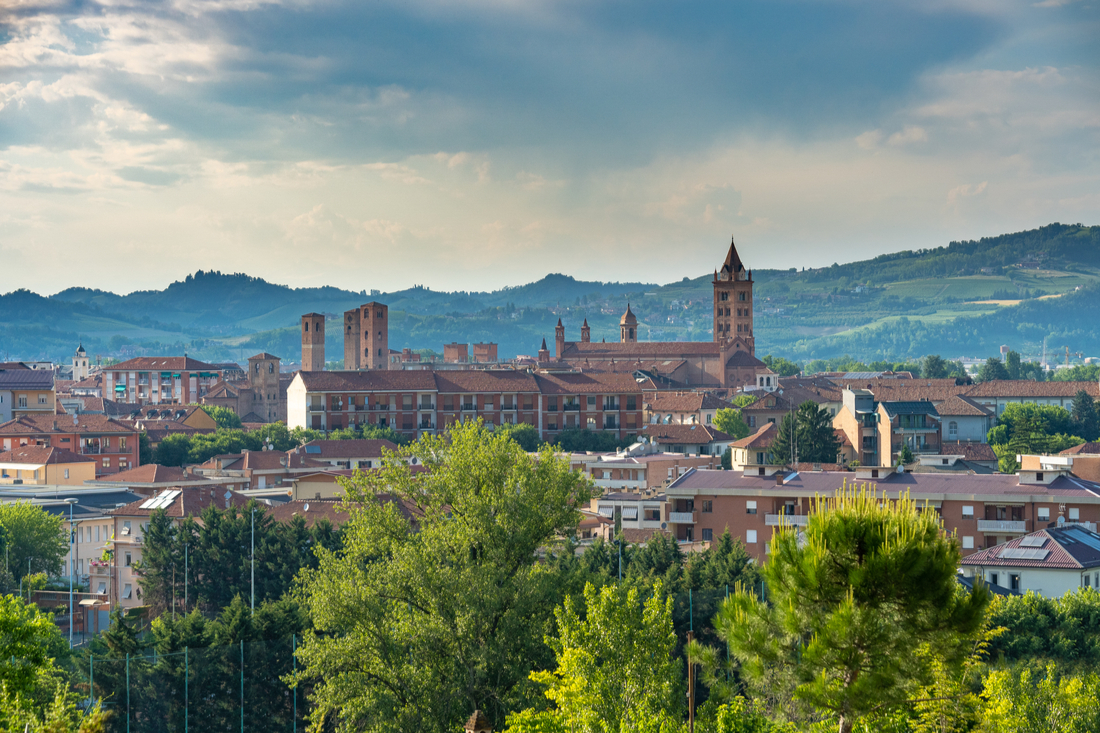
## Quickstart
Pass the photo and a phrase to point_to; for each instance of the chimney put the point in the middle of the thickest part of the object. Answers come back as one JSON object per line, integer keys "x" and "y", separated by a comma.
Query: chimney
{"x": 778, "y": 478}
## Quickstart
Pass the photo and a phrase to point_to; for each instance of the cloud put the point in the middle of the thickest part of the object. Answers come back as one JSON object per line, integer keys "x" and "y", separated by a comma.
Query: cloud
{"x": 911, "y": 134}
{"x": 965, "y": 191}
{"x": 869, "y": 140}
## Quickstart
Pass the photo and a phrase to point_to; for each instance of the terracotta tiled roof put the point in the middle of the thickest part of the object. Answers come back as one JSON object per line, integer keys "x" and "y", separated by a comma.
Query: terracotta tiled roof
{"x": 261, "y": 460}
{"x": 640, "y": 536}
{"x": 1088, "y": 449}
{"x": 377, "y": 380}
{"x": 587, "y": 383}
{"x": 263, "y": 355}
{"x": 762, "y": 438}
{"x": 312, "y": 511}
{"x": 979, "y": 452}
{"x": 150, "y": 473}
{"x": 162, "y": 363}
{"x": 1026, "y": 388}
{"x": 78, "y": 424}
{"x": 92, "y": 382}
{"x": 485, "y": 381}
{"x": 43, "y": 455}
{"x": 222, "y": 390}
{"x": 698, "y": 434}
{"x": 252, "y": 419}
{"x": 644, "y": 350}
{"x": 62, "y": 386}
{"x": 685, "y": 402}
{"x": 745, "y": 359}
{"x": 345, "y": 448}
{"x": 1070, "y": 547}
{"x": 962, "y": 406}
{"x": 191, "y": 501}
{"x": 910, "y": 390}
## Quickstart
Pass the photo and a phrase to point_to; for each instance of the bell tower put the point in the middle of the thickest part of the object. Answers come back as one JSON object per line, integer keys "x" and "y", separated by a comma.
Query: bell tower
{"x": 628, "y": 327}
{"x": 586, "y": 333}
{"x": 733, "y": 302}
{"x": 313, "y": 342}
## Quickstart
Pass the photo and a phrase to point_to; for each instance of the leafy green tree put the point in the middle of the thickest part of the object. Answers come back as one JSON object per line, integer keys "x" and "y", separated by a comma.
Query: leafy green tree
{"x": 1084, "y": 416}
{"x": 729, "y": 420}
{"x": 1064, "y": 630}
{"x": 848, "y": 604}
{"x": 583, "y": 439}
{"x": 933, "y": 367}
{"x": 786, "y": 438}
{"x": 146, "y": 455}
{"x": 223, "y": 416}
{"x": 1045, "y": 419}
{"x": 782, "y": 367}
{"x": 615, "y": 667}
{"x": 1012, "y": 365}
{"x": 811, "y": 432}
{"x": 905, "y": 455}
{"x": 527, "y": 436}
{"x": 417, "y": 629}
{"x": 991, "y": 370}
{"x": 34, "y": 534}
{"x": 1025, "y": 700}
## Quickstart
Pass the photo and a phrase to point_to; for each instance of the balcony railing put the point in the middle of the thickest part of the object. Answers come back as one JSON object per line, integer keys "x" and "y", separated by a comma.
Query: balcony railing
{"x": 427, "y": 406}
{"x": 610, "y": 425}
{"x": 610, "y": 406}
{"x": 316, "y": 408}
{"x": 572, "y": 408}
{"x": 468, "y": 407}
{"x": 427, "y": 426}
{"x": 1001, "y": 525}
{"x": 918, "y": 431}
{"x": 793, "y": 520}
{"x": 681, "y": 517}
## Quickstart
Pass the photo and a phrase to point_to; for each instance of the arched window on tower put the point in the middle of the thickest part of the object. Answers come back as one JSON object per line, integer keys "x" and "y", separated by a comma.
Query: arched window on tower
{"x": 380, "y": 352}
{"x": 270, "y": 368}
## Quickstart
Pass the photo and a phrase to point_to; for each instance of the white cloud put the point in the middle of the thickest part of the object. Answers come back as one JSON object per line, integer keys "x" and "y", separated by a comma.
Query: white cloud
{"x": 869, "y": 140}
{"x": 911, "y": 134}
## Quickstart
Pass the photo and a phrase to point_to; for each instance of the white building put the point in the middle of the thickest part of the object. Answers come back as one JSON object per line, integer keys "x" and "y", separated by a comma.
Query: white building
{"x": 1050, "y": 562}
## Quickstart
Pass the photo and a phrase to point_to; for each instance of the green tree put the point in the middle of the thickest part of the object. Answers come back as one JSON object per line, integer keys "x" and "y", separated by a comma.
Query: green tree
{"x": 782, "y": 367}
{"x": 992, "y": 369}
{"x": 615, "y": 667}
{"x": 146, "y": 455}
{"x": 527, "y": 436}
{"x": 811, "y": 432}
{"x": 848, "y": 605}
{"x": 416, "y": 629}
{"x": 1084, "y": 416}
{"x": 934, "y": 367}
{"x": 1012, "y": 365}
{"x": 223, "y": 416}
{"x": 583, "y": 439}
{"x": 786, "y": 438}
{"x": 1025, "y": 700}
{"x": 36, "y": 535}
{"x": 729, "y": 420}
{"x": 905, "y": 455}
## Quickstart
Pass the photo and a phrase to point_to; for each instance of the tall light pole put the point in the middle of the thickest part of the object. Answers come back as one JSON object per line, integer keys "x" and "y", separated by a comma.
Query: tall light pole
{"x": 71, "y": 501}
{"x": 253, "y": 559}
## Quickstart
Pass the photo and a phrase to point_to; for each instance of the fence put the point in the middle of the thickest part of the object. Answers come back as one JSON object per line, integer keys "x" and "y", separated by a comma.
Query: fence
{"x": 233, "y": 687}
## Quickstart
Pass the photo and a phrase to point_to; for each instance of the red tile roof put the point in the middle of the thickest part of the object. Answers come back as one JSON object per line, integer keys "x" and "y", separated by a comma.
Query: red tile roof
{"x": 1026, "y": 388}
{"x": 685, "y": 402}
{"x": 962, "y": 406}
{"x": 762, "y": 438}
{"x": 688, "y": 434}
{"x": 448, "y": 382}
{"x": 263, "y": 355}
{"x": 977, "y": 452}
{"x": 312, "y": 511}
{"x": 1070, "y": 547}
{"x": 150, "y": 473}
{"x": 346, "y": 448}
{"x": 587, "y": 383}
{"x": 78, "y": 424}
{"x": 162, "y": 363}
{"x": 1087, "y": 449}
{"x": 375, "y": 380}
{"x": 191, "y": 501}
{"x": 43, "y": 455}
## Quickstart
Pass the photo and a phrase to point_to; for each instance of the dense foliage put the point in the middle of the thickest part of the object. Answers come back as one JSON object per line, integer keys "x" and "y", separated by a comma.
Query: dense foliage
{"x": 32, "y": 534}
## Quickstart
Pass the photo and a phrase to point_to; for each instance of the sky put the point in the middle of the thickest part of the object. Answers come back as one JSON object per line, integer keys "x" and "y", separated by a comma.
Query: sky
{"x": 476, "y": 144}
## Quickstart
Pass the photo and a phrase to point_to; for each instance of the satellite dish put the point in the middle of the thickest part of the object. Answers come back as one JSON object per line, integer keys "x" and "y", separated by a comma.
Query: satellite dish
{"x": 1061, "y": 521}
{"x": 305, "y": 508}
{"x": 664, "y": 525}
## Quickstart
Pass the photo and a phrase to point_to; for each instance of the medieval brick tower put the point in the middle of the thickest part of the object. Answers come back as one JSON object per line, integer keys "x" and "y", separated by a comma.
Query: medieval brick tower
{"x": 313, "y": 342}
{"x": 263, "y": 377}
{"x": 733, "y": 303}
{"x": 374, "y": 319}
{"x": 353, "y": 355}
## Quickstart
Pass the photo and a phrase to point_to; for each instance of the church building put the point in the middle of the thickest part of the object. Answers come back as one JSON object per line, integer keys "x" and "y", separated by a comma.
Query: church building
{"x": 729, "y": 361}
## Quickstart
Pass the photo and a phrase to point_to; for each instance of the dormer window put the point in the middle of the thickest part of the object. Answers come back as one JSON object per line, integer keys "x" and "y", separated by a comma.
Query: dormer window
{"x": 1039, "y": 477}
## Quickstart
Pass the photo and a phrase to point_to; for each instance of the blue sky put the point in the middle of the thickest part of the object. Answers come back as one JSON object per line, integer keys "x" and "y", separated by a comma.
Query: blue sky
{"x": 473, "y": 144}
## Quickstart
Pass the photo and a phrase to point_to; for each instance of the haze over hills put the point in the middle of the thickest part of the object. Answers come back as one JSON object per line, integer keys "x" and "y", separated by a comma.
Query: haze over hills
{"x": 964, "y": 299}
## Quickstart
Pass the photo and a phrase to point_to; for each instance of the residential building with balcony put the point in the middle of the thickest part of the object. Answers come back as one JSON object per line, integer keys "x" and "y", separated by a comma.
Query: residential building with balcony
{"x": 640, "y": 515}
{"x": 258, "y": 469}
{"x": 641, "y": 469}
{"x": 1050, "y": 562}
{"x": 983, "y": 510}
{"x": 112, "y": 445}
{"x": 682, "y": 408}
{"x": 913, "y": 425}
{"x": 125, "y": 539}
{"x": 702, "y": 440}
{"x": 39, "y": 466}
{"x": 26, "y": 392}
{"x": 155, "y": 380}
{"x": 347, "y": 454}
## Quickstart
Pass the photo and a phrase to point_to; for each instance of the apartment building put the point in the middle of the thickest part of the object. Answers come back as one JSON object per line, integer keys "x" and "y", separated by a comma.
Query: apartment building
{"x": 111, "y": 444}
{"x": 155, "y": 380}
{"x": 984, "y": 510}
{"x": 422, "y": 402}
{"x": 682, "y": 408}
{"x": 26, "y": 392}
{"x": 644, "y": 473}
{"x": 32, "y": 465}
{"x": 1050, "y": 562}
{"x": 124, "y": 533}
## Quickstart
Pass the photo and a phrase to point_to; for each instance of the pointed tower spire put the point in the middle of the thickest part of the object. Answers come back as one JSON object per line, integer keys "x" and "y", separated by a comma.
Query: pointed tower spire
{"x": 732, "y": 267}
{"x": 543, "y": 347}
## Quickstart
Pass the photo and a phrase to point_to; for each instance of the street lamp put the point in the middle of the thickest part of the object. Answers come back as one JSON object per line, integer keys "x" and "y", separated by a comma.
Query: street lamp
{"x": 71, "y": 501}
{"x": 253, "y": 559}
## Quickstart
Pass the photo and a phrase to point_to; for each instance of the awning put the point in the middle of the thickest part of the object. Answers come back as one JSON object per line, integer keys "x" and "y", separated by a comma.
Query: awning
{"x": 175, "y": 376}
{"x": 166, "y": 375}
{"x": 120, "y": 388}
{"x": 630, "y": 512}
{"x": 91, "y": 601}
{"x": 607, "y": 511}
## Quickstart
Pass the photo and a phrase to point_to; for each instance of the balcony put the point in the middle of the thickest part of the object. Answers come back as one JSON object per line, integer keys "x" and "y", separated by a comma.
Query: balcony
{"x": 610, "y": 406}
{"x": 427, "y": 426}
{"x": 790, "y": 520}
{"x": 1002, "y": 526}
{"x": 611, "y": 425}
{"x": 316, "y": 407}
{"x": 574, "y": 407}
{"x": 426, "y": 406}
{"x": 917, "y": 431}
{"x": 681, "y": 517}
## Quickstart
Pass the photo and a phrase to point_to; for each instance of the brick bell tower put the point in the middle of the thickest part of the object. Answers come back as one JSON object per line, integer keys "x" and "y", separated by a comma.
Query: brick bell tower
{"x": 733, "y": 302}
{"x": 313, "y": 342}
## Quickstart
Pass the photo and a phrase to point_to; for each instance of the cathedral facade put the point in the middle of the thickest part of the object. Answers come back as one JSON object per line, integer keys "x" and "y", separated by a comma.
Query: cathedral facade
{"x": 728, "y": 361}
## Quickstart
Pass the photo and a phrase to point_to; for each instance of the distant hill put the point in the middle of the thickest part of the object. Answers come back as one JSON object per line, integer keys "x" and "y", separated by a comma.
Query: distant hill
{"x": 965, "y": 298}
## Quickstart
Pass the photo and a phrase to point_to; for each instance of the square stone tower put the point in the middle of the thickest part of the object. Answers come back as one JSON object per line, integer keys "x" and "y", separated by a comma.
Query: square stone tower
{"x": 733, "y": 302}
{"x": 353, "y": 354}
{"x": 375, "y": 321}
{"x": 313, "y": 342}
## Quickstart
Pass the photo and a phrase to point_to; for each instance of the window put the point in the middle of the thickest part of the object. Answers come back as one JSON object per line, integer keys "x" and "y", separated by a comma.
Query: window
{"x": 96, "y": 533}
{"x": 968, "y": 512}
{"x": 750, "y": 507}
{"x": 129, "y": 559}
{"x": 1043, "y": 513}
{"x": 592, "y": 401}
{"x": 1038, "y": 477}
{"x": 953, "y": 430}
{"x": 1086, "y": 581}
{"x": 631, "y": 402}
{"x": 126, "y": 528}
{"x": 122, "y": 443}
{"x": 66, "y": 473}
{"x": 41, "y": 399}
{"x": 741, "y": 296}
{"x": 750, "y": 537}
{"x": 708, "y": 418}
{"x": 1014, "y": 581}
{"x": 1074, "y": 514}
{"x": 752, "y": 421}
{"x": 993, "y": 578}
{"x": 968, "y": 543}
{"x": 708, "y": 535}
{"x": 106, "y": 462}
{"x": 127, "y": 591}
{"x": 760, "y": 457}
{"x": 708, "y": 507}
{"x": 22, "y": 400}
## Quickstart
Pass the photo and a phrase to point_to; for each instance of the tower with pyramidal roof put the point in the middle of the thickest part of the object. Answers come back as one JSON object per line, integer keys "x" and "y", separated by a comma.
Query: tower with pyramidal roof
{"x": 733, "y": 303}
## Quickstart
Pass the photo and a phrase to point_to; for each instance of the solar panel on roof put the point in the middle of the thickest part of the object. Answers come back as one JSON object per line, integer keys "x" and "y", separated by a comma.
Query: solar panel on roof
{"x": 313, "y": 449}
{"x": 148, "y": 503}
{"x": 1085, "y": 537}
{"x": 1033, "y": 541}
{"x": 1018, "y": 553}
